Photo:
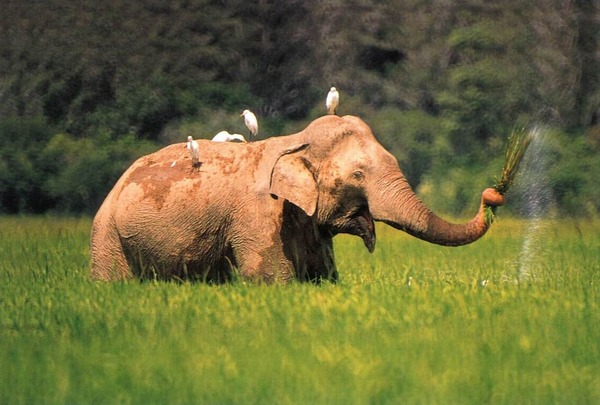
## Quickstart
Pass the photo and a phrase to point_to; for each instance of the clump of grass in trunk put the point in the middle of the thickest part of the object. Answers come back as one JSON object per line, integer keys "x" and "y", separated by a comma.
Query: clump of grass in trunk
{"x": 518, "y": 142}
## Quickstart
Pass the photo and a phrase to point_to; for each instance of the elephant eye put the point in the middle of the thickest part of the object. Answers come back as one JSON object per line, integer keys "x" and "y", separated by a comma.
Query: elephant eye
{"x": 358, "y": 175}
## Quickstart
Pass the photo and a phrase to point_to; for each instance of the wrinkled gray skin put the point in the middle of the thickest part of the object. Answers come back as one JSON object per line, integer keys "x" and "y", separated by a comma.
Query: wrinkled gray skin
{"x": 268, "y": 209}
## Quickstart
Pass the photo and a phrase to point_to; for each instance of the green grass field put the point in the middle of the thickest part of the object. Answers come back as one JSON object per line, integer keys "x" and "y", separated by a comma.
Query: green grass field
{"x": 445, "y": 339}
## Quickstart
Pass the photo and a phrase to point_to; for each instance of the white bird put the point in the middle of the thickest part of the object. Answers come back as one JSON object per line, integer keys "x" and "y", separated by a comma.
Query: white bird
{"x": 194, "y": 149}
{"x": 225, "y": 136}
{"x": 333, "y": 100}
{"x": 251, "y": 122}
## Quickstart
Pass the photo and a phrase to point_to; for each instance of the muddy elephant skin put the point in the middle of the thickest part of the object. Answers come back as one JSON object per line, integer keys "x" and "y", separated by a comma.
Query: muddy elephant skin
{"x": 265, "y": 211}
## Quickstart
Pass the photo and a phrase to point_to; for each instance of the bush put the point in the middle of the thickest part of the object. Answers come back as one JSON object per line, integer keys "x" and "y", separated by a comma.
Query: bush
{"x": 573, "y": 172}
{"x": 85, "y": 170}
{"x": 40, "y": 172}
{"x": 21, "y": 165}
{"x": 416, "y": 139}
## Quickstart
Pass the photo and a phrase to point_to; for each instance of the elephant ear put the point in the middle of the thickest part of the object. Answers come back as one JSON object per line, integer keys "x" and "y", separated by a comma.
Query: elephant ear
{"x": 292, "y": 179}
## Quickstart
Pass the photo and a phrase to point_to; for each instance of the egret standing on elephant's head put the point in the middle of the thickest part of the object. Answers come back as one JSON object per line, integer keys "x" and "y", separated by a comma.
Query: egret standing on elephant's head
{"x": 251, "y": 122}
{"x": 333, "y": 100}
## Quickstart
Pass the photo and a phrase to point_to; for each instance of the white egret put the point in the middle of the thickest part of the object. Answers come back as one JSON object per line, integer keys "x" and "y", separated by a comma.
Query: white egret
{"x": 333, "y": 99}
{"x": 194, "y": 149}
{"x": 238, "y": 137}
{"x": 251, "y": 122}
{"x": 225, "y": 136}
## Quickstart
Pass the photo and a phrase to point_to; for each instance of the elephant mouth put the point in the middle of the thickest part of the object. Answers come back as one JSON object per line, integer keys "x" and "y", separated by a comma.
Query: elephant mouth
{"x": 361, "y": 224}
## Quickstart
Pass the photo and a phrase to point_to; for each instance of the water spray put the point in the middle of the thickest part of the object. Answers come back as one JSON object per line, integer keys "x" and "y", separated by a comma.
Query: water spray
{"x": 524, "y": 154}
{"x": 536, "y": 198}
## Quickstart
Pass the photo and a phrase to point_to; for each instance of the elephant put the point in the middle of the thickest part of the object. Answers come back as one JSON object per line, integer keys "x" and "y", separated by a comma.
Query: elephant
{"x": 265, "y": 211}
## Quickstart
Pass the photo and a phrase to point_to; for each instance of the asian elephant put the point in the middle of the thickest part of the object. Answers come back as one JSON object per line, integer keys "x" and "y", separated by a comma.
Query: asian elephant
{"x": 264, "y": 211}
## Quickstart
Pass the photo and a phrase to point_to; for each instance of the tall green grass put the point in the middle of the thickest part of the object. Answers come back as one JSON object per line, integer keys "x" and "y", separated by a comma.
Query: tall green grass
{"x": 371, "y": 338}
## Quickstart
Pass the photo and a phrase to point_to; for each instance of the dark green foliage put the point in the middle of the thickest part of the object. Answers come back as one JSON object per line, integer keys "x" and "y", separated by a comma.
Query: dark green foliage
{"x": 442, "y": 85}
{"x": 573, "y": 173}
{"x": 21, "y": 165}
{"x": 415, "y": 138}
{"x": 82, "y": 171}
{"x": 41, "y": 172}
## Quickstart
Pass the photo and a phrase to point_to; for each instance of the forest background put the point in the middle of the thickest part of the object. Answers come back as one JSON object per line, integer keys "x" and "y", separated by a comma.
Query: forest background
{"x": 86, "y": 87}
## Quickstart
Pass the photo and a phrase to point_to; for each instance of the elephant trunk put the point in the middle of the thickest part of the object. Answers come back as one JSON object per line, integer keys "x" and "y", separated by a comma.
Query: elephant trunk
{"x": 398, "y": 206}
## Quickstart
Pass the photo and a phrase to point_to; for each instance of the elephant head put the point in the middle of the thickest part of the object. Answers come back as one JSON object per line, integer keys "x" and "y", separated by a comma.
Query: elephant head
{"x": 345, "y": 180}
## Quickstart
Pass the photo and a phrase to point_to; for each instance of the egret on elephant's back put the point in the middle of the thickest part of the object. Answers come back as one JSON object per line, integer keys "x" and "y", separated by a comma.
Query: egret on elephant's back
{"x": 251, "y": 122}
{"x": 194, "y": 149}
{"x": 225, "y": 136}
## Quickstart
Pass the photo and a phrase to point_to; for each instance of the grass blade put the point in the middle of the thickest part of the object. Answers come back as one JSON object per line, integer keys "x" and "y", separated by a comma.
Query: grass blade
{"x": 518, "y": 142}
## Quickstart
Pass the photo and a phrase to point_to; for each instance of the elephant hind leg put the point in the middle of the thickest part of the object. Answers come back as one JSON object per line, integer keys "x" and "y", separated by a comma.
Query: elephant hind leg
{"x": 108, "y": 262}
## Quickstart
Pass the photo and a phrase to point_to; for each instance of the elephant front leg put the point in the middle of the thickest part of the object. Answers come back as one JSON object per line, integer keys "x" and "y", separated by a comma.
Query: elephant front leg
{"x": 282, "y": 263}
{"x": 281, "y": 248}
{"x": 309, "y": 249}
{"x": 317, "y": 262}
{"x": 267, "y": 265}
